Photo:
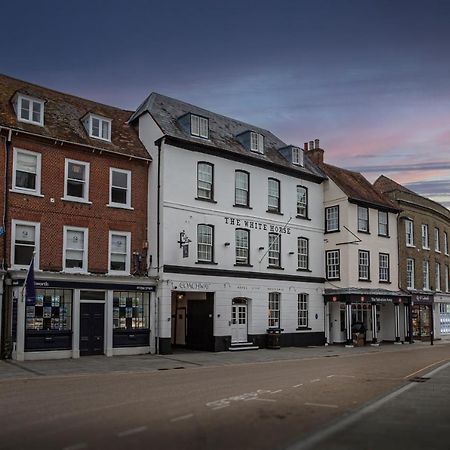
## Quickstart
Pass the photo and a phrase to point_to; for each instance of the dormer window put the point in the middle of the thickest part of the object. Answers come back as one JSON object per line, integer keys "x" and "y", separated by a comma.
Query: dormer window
{"x": 199, "y": 126}
{"x": 256, "y": 142}
{"x": 30, "y": 110}
{"x": 297, "y": 156}
{"x": 99, "y": 128}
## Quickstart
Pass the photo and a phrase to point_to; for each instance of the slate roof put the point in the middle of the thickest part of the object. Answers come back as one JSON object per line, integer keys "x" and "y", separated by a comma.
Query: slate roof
{"x": 222, "y": 132}
{"x": 62, "y": 118}
{"x": 357, "y": 187}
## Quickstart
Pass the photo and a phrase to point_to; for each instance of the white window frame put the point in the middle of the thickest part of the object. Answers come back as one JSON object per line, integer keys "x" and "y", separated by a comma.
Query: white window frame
{"x": 274, "y": 310}
{"x": 84, "y": 269}
{"x": 126, "y": 205}
{"x": 240, "y": 249}
{"x": 209, "y": 183}
{"x": 87, "y": 166}
{"x": 437, "y": 276}
{"x": 256, "y": 142}
{"x": 437, "y": 243}
{"x": 270, "y": 196}
{"x": 32, "y": 100}
{"x": 410, "y": 281}
{"x": 297, "y": 156}
{"x": 101, "y": 120}
{"x": 331, "y": 217}
{"x": 333, "y": 271}
{"x": 384, "y": 269}
{"x": 127, "y": 234}
{"x": 208, "y": 245}
{"x": 426, "y": 275}
{"x": 198, "y": 126}
{"x": 241, "y": 189}
{"x": 37, "y": 235}
{"x": 302, "y": 253}
{"x": 447, "y": 274}
{"x": 22, "y": 190}
{"x": 445, "y": 243}
{"x": 302, "y": 310}
{"x": 425, "y": 237}
{"x": 409, "y": 233}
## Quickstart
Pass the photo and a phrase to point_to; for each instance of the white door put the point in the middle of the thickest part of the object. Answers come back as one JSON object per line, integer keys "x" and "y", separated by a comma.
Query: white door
{"x": 239, "y": 323}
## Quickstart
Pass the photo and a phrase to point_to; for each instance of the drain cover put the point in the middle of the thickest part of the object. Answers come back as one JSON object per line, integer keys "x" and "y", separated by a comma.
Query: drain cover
{"x": 419, "y": 379}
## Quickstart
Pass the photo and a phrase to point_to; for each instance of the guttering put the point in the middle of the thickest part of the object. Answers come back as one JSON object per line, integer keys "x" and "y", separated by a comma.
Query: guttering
{"x": 159, "y": 143}
{"x": 90, "y": 147}
{"x": 5, "y": 194}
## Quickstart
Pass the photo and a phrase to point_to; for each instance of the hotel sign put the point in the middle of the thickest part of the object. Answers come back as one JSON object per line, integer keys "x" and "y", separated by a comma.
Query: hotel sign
{"x": 253, "y": 224}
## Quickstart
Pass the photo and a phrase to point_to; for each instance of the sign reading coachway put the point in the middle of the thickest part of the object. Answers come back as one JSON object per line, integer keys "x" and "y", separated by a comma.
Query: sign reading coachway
{"x": 257, "y": 225}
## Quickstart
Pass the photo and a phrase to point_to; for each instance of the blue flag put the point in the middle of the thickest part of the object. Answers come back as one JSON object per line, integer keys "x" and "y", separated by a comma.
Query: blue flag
{"x": 30, "y": 289}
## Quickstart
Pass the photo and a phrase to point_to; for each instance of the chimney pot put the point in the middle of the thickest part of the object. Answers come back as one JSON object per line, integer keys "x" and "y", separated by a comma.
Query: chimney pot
{"x": 316, "y": 143}
{"x": 305, "y": 146}
{"x": 311, "y": 145}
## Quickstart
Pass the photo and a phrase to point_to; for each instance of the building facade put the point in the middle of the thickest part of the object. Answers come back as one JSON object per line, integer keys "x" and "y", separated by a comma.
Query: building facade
{"x": 361, "y": 257}
{"x": 424, "y": 228}
{"x": 74, "y": 174}
{"x": 236, "y": 231}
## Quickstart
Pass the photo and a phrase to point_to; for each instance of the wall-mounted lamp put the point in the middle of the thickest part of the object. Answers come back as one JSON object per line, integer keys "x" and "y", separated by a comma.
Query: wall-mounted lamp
{"x": 180, "y": 296}
{"x": 226, "y": 244}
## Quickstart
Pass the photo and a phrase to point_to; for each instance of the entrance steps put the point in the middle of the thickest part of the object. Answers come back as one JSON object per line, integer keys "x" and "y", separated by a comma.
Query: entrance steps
{"x": 241, "y": 346}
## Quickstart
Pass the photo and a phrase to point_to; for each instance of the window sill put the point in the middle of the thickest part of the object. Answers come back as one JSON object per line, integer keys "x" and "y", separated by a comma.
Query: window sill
{"x": 211, "y": 263}
{"x": 243, "y": 265}
{"x": 273, "y": 211}
{"x": 384, "y": 236}
{"x": 333, "y": 279}
{"x": 437, "y": 251}
{"x": 303, "y": 328}
{"x": 304, "y": 270}
{"x": 410, "y": 246}
{"x": 363, "y": 232}
{"x": 332, "y": 231}
{"x": 76, "y": 200}
{"x": 364, "y": 280}
{"x": 39, "y": 124}
{"x": 76, "y": 272}
{"x": 302, "y": 217}
{"x": 118, "y": 206}
{"x": 205, "y": 200}
{"x": 275, "y": 267}
{"x": 385, "y": 282}
{"x": 19, "y": 191}
{"x": 118, "y": 272}
{"x": 242, "y": 206}
{"x": 426, "y": 248}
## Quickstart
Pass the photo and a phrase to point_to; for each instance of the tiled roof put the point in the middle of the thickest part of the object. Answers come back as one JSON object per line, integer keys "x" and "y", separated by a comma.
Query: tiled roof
{"x": 62, "y": 118}
{"x": 222, "y": 132}
{"x": 384, "y": 184}
{"x": 357, "y": 187}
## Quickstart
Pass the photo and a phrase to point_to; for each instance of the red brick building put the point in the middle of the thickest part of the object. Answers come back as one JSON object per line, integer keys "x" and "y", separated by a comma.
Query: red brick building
{"x": 74, "y": 193}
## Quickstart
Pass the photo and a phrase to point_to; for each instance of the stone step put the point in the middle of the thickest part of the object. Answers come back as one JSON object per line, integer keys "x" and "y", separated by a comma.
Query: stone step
{"x": 240, "y": 346}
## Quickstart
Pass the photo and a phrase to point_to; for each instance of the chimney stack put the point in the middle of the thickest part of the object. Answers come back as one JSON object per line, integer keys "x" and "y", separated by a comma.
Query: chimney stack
{"x": 311, "y": 145}
{"x": 315, "y": 153}
{"x": 316, "y": 143}
{"x": 305, "y": 146}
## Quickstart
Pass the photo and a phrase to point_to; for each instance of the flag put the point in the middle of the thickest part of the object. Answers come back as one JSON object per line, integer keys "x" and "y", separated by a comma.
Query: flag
{"x": 30, "y": 289}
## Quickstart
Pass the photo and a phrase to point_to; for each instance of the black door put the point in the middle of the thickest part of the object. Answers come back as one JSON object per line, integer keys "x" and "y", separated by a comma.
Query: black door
{"x": 92, "y": 328}
{"x": 200, "y": 318}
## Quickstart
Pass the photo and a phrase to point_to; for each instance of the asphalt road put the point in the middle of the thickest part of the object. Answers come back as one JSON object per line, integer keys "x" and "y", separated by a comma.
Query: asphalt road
{"x": 261, "y": 405}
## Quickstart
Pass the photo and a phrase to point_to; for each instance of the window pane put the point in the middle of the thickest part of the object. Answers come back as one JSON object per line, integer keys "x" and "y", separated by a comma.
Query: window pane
{"x": 118, "y": 244}
{"x": 74, "y": 259}
{"x": 25, "y": 109}
{"x": 119, "y": 196}
{"x": 25, "y": 180}
{"x": 75, "y": 188}
{"x": 95, "y": 127}
{"x": 242, "y": 246}
{"x": 120, "y": 179}
{"x": 36, "y": 112}
{"x": 76, "y": 171}
{"x": 105, "y": 129}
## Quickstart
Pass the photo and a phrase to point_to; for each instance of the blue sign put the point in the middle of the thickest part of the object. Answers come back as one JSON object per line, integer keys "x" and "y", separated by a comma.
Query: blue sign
{"x": 2, "y": 231}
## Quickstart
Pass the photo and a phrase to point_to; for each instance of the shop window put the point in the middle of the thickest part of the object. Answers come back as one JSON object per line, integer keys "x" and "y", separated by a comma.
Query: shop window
{"x": 302, "y": 253}
{"x": 130, "y": 310}
{"x": 119, "y": 188}
{"x": 205, "y": 181}
{"x": 75, "y": 249}
{"x": 363, "y": 219}
{"x": 383, "y": 224}
{"x": 273, "y": 200}
{"x": 274, "y": 309}
{"x": 331, "y": 219}
{"x": 27, "y": 172}
{"x": 332, "y": 259}
{"x": 302, "y": 309}
{"x": 302, "y": 202}
{"x": 274, "y": 259}
{"x": 242, "y": 188}
{"x": 50, "y": 310}
{"x": 242, "y": 247}
{"x": 25, "y": 242}
{"x": 119, "y": 252}
{"x": 205, "y": 243}
{"x": 76, "y": 185}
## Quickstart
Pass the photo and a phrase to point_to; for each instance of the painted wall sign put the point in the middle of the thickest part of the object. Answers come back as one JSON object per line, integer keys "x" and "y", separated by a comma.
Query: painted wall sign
{"x": 197, "y": 285}
{"x": 257, "y": 225}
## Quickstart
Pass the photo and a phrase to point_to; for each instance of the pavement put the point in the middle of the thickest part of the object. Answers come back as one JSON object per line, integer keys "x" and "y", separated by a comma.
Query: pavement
{"x": 182, "y": 359}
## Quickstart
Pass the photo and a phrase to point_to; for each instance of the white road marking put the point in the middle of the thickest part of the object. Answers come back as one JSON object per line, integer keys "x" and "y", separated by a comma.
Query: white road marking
{"x": 276, "y": 392}
{"x": 315, "y": 380}
{"x": 298, "y": 385}
{"x": 264, "y": 399}
{"x": 76, "y": 446}
{"x": 323, "y": 405}
{"x": 132, "y": 431}
{"x": 341, "y": 376}
{"x": 426, "y": 367}
{"x": 185, "y": 417}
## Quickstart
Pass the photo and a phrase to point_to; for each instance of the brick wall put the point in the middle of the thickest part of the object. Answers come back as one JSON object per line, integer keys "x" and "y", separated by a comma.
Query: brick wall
{"x": 53, "y": 213}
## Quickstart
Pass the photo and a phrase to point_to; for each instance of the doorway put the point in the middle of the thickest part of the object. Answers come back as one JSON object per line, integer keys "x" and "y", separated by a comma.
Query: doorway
{"x": 92, "y": 328}
{"x": 239, "y": 320}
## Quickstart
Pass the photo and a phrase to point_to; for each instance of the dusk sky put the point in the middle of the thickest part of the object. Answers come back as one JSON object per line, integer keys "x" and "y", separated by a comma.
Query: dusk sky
{"x": 371, "y": 79}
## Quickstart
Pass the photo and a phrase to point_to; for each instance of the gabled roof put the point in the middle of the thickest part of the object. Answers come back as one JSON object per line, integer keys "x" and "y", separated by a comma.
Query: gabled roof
{"x": 357, "y": 188}
{"x": 223, "y": 131}
{"x": 63, "y": 114}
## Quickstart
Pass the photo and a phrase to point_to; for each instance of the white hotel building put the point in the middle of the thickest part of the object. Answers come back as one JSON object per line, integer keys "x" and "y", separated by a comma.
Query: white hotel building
{"x": 235, "y": 231}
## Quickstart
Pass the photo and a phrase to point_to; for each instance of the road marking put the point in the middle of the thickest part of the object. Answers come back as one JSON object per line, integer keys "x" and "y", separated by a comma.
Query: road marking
{"x": 132, "y": 431}
{"x": 324, "y": 405}
{"x": 185, "y": 417}
{"x": 276, "y": 392}
{"x": 263, "y": 399}
{"x": 341, "y": 376}
{"x": 426, "y": 367}
{"x": 76, "y": 446}
{"x": 298, "y": 385}
{"x": 315, "y": 380}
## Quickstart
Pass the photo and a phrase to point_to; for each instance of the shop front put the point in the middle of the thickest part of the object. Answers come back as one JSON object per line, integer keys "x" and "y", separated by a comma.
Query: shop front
{"x": 69, "y": 318}
{"x": 357, "y": 317}
{"x": 442, "y": 309}
{"x": 422, "y": 316}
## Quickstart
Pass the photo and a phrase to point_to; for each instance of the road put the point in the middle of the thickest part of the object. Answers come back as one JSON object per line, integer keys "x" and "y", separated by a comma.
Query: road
{"x": 260, "y": 405}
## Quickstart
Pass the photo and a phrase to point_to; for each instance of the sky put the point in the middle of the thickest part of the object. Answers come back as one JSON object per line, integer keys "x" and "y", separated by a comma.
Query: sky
{"x": 369, "y": 78}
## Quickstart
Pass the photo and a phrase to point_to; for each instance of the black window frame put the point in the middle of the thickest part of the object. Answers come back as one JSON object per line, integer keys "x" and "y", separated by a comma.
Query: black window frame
{"x": 368, "y": 219}
{"x": 247, "y": 263}
{"x": 338, "y": 219}
{"x": 300, "y": 216}
{"x": 271, "y": 266}
{"x": 204, "y": 261}
{"x": 240, "y": 205}
{"x": 271, "y": 209}
{"x": 387, "y": 224}
{"x": 388, "y": 267}
{"x": 338, "y": 276}
{"x": 205, "y": 199}
{"x": 368, "y": 265}
{"x": 307, "y": 254}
